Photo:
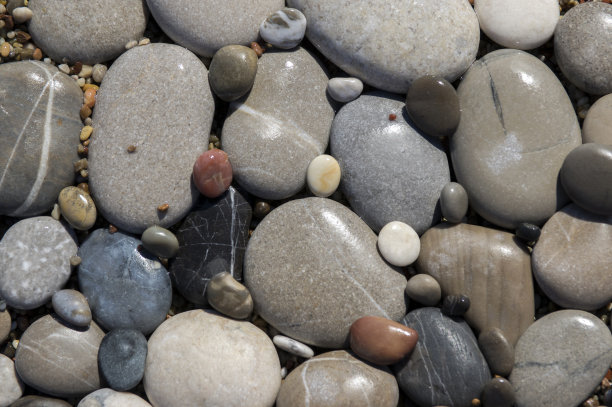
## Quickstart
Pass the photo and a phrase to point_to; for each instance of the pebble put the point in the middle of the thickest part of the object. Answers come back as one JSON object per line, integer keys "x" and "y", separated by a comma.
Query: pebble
{"x": 48, "y": 344}
{"x": 121, "y": 358}
{"x": 323, "y": 175}
{"x": 261, "y": 209}
{"x": 454, "y": 202}
{"x": 212, "y": 173}
{"x": 33, "y": 175}
{"x": 284, "y": 28}
{"x": 498, "y": 352}
{"x": 528, "y": 232}
{"x": 34, "y": 261}
{"x": 98, "y": 72}
{"x": 398, "y": 243}
{"x": 72, "y": 307}
{"x": 381, "y": 341}
{"x": 498, "y": 393}
{"x": 455, "y": 305}
{"x": 232, "y": 72}
{"x": 159, "y": 241}
{"x": 338, "y": 379}
{"x": 125, "y": 288}
{"x": 37, "y": 401}
{"x": 344, "y": 89}
{"x": 5, "y": 325}
{"x": 513, "y": 176}
{"x": 77, "y": 208}
{"x": 129, "y": 112}
{"x": 321, "y": 250}
{"x": 22, "y": 14}
{"x": 390, "y": 172}
{"x": 292, "y": 346}
{"x": 424, "y": 289}
{"x": 226, "y": 363}
{"x": 583, "y": 45}
{"x": 11, "y": 387}
{"x": 112, "y": 398}
{"x": 560, "y": 359}
{"x": 598, "y": 121}
{"x": 228, "y": 296}
{"x": 586, "y": 175}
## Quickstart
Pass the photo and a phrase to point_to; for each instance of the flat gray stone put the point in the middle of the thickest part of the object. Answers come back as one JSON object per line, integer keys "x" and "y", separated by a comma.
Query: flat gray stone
{"x": 168, "y": 121}
{"x": 72, "y": 307}
{"x": 11, "y": 386}
{"x": 112, "y": 398}
{"x": 598, "y": 122}
{"x": 39, "y": 112}
{"x": 390, "y": 171}
{"x": 316, "y": 248}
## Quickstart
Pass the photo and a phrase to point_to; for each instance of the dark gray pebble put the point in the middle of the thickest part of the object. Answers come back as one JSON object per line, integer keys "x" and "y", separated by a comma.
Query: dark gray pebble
{"x": 498, "y": 393}
{"x": 455, "y": 305}
{"x": 122, "y": 357}
{"x": 497, "y": 350}
{"x": 528, "y": 232}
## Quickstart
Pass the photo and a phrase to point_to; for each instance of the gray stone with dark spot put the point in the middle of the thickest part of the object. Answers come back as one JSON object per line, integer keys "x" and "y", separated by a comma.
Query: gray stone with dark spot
{"x": 72, "y": 307}
{"x": 121, "y": 358}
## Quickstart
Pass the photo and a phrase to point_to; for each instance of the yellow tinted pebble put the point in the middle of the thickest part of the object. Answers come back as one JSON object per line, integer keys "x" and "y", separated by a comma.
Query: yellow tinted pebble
{"x": 323, "y": 175}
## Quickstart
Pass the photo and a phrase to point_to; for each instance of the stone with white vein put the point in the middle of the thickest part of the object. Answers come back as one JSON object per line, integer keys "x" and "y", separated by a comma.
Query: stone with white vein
{"x": 292, "y": 346}
{"x": 284, "y": 28}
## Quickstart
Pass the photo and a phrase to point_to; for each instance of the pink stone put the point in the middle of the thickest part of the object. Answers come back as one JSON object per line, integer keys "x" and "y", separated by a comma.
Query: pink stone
{"x": 212, "y": 173}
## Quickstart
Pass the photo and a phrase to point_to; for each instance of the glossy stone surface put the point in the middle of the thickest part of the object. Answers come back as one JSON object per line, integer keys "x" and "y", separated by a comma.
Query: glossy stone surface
{"x": 507, "y": 155}
{"x": 398, "y": 243}
{"x": 455, "y": 305}
{"x": 228, "y": 296}
{"x": 321, "y": 250}
{"x": 212, "y": 240}
{"x": 433, "y": 106}
{"x": 598, "y": 121}
{"x": 39, "y": 112}
{"x": 121, "y": 358}
{"x": 72, "y": 307}
{"x": 159, "y": 241}
{"x": 284, "y": 28}
{"x": 232, "y": 72}
{"x": 424, "y": 289}
{"x": 453, "y": 202}
{"x": 212, "y": 173}
{"x": 390, "y": 171}
{"x": 11, "y": 387}
{"x": 77, "y": 208}
{"x": 528, "y": 232}
{"x": 323, "y": 175}
{"x": 292, "y": 346}
{"x": 344, "y": 89}
{"x": 111, "y": 398}
{"x": 381, "y": 341}
{"x": 337, "y": 379}
{"x": 37, "y": 401}
{"x": 498, "y": 393}
{"x": 498, "y": 352}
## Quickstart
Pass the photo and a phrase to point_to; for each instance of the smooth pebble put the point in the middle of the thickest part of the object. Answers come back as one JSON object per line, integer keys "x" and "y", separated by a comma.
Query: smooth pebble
{"x": 37, "y": 401}
{"x": 11, "y": 386}
{"x": 5, "y": 325}
{"x": 232, "y": 72}
{"x": 121, "y": 358}
{"x": 228, "y": 296}
{"x": 22, "y": 14}
{"x": 77, "y": 208}
{"x": 284, "y": 28}
{"x": 424, "y": 289}
{"x": 344, "y": 89}
{"x": 381, "y": 341}
{"x": 112, "y": 398}
{"x": 292, "y": 346}
{"x": 454, "y": 202}
{"x": 598, "y": 122}
{"x": 72, "y": 307}
{"x": 497, "y": 350}
{"x": 160, "y": 241}
{"x": 212, "y": 173}
{"x": 498, "y": 393}
{"x": 528, "y": 232}
{"x": 455, "y": 305}
{"x": 323, "y": 175}
{"x": 398, "y": 243}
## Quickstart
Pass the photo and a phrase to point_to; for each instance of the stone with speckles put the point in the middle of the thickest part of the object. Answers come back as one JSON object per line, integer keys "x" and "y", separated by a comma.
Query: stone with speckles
{"x": 37, "y": 401}
{"x": 112, "y": 398}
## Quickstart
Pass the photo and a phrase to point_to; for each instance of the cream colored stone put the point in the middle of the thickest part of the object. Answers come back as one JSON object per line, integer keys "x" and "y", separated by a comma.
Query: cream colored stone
{"x": 228, "y": 296}
{"x": 323, "y": 175}
{"x": 399, "y": 244}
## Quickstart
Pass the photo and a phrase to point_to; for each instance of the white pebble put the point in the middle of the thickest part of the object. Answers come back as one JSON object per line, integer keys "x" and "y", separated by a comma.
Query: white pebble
{"x": 2, "y": 9}
{"x": 344, "y": 89}
{"x": 22, "y": 14}
{"x": 48, "y": 61}
{"x": 11, "y": 34}
{"x": 284, "y": 29}
{"x": 292, "y": 346}
{"x": 323, "y": 175}
{"x": 86, "y": 71}
{"x": 98, "y": 72}
{"x": 64, "y": 68}
{"x": 144, "y": 41}
{"x": 80, "y": 82}
{"x": 399, "y": 244}
{"x": 283, "y": 372}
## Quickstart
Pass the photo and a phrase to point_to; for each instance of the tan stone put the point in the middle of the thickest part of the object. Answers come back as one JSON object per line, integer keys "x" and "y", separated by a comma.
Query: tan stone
{"x": 228, "y": 296}
{"x": 77, "y": 208}
{"x": 598, "y": 122}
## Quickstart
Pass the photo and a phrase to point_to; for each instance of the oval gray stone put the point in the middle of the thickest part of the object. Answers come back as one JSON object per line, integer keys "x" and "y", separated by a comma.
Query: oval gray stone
{"x": 139, "y": 105}
{"x": 424, "y": 289}
{"x": 11, "y": 386}
{"x": 497, "y": 350}
{"x": 72, "y": 307}
{"x": 454, "y": 202}
{"x": 273, "y": 134}
{"x": 232, "y": 72}
{"x": 517, "y": 125}
{"x": 390, "y": 171}
{"x": 39, "y": 112}
{"x": 317, "y": 248}
{"x": 228, "y": 296}
{"x": 112, "y": 398}
{"x": 159, "y": 241}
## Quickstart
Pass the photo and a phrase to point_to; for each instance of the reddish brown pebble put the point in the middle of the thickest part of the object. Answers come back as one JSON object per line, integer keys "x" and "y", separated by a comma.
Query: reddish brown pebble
{"x": 163, "y": 207}
{"x": 392, "y": 117}
{"x": 257, "y": 48}
{"x": 131, "y": 149}
{"x": 112, "y": 229}
{"x": 90, "y": 97}
{"x": 212, "y": 173}
{"x": 84, "y": 186}
{"x": 37, "y": 54}
{"x": 22, "y": 37}
{"x": 76, "y": 68}
{"x": 8, "y": 21}
{"x": 381, "y": 341}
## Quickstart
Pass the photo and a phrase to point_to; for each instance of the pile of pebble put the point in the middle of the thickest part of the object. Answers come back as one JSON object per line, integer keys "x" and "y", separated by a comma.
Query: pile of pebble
{"x": 305, "y": 203}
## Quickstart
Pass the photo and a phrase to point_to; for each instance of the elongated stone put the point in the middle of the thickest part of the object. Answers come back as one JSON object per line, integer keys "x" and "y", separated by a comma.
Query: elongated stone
{"x": 228, "y": 296}
{"x": 497, "y": 350}
{"x": 382, "y": 341}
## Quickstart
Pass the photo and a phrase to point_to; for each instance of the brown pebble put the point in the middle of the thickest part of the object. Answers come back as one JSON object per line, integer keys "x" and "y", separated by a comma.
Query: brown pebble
{"x": 257, "y": 48}
{"x": 380, "y": 340}
{"x": 84, "y": 186}
{"x": 80, "y": 165}
{"x": 475, "y": 402}
{"x": 37, "y": 55}
{"x": 5, "y": 49}
{"x": 261, "y": 209}
{"x": 75, "y": 261}
{"x": 76, "y": 68}
{"x": 392, "y": 117}
{"x": 85, "y": 112}
{"x": 86, "y": 142}
{"x": 112, "y": 229}
{"x": 89, "y": 97}
{"x": 163, "y": 207}
{"x": 590, "y": 403}
{"x": 8, "y": 21}
{"x": 82, "y": 150}
{"x": 22, "y": 37}
{"x": 131, "y": 148}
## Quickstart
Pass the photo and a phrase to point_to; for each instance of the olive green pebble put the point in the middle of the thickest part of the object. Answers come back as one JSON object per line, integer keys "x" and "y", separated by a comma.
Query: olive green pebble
{"x": 229, "y": 297}
{"x": 77, "y": 208}
{"x": 232, "y": 72}
{"x": 453, "y": 202}
{"x": 159, "y": 241}
{"x": 261, "y": 209}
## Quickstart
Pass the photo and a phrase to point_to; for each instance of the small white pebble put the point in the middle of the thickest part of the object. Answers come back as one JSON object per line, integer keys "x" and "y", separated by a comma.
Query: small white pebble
{"x": 29, "y": 45}
{"x": 86, "y": 71}
{"x": 15, "y": 343}
{"x": 48, "y": 61}
{"x": 323, "y": 175}
{"x": 284, "y": 29}
{"x": 131, "y": 44}
{"x": 55, "y": 213}
{"x": 399, "y": 244}
{"x": 81, "y": 82}
{"x": 11, "y": 34}
{"x": 21, "y": 15}
{"x": 292, "y": 346}
{"x": 98, "y": 72}
{"x": 2, "y": 9}
{"x": 64, "y": 68}
{"x": 144, "y": 41}
{"x": 283, "y": 372}
{"x": 344, "y": 89}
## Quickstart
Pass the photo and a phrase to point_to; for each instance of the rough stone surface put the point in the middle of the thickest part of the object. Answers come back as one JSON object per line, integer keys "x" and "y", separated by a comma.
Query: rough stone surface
{"x": 138, "y": 106}
{"x": 112, "y": 398}
{"x": 121, "y": 358}
{"x": 284, "y": 28}
{"x": 498, "y": 352}
{"x": 321, "y": 250}
{"x": 424, "y": 289}
{"x": 598, "y": 122}
{"x": 232, "y": 71}
{"x": 228, "y": 296}
{"x": 381, "y": 341}
{"x": 453, "y": 202}
{"x": 5, "y": 325}
{"x": 72, "y": 307}
{"x": 433, "y": 105}
{"x": 37, "y": 401}
{"x": 11, "y": 387}
{"x": 159, "y": 241}
{"x": 39, "y": 112}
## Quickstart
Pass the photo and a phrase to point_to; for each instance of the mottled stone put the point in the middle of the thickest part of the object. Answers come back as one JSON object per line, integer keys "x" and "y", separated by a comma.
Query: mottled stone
{"x": 112, "y": 398}
{"x": 5, "y": 325}
{"x": 433, "y": 106}
{"x": 390, "y": 171}
{"x": 11, "y": 387}
{"x": 344, "y": 89}
{"x": 381, "y": 341}
{"x": 560, "y": 359}
{"x": 232, "y": 72}
{"x": 571, "y": 261}
{"x": 424, "y": 289}
{"x": 212, "y": 173}
{"x": 130, "y": 112}
{"x": 39, "y": 112}
{"x": 37, "y": 401}
{"x": 491, "y": 267}
{"x": 72, "y": 307}
{"x": 121, "y": 358}
{"x": 212, "y": 240}
{"x": 498, "y": 352}
{"x": 398, "y": 243}
{"x": 292, "y": 346}
{"x": 498, "y": 393}
{"x": 322, "y": 251}
{"x": 34, "y": 261}
{"x": 159, "y": 241}
{"x": 77, "y": 208}
{"x": 336, "y": 379}
{"x": 598, "y": 122}
{"x": 454, "y": 202}
{"x": 323, "y": 175}
{"x": 508, "y": 154}
{"x": 273, "y": 134}
{"x": 284, "y": 28}
{"x": 125, "y": 287}
{"x": 455, "y": 305}
{"x": 228, "y": 296}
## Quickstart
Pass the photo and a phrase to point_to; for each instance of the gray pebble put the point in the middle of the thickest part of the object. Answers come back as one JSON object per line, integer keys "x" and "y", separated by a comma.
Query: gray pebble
{"x": 498, "y": 393}
{"x": 284, "y": 29}
{"x": 453, "y": 202}
{"x": 72, "y": 307}
{"x": 228, "y": 296}
{"x": 5, "y": 325}
{"x": 497, "y": 350}
{"x": 11, "y": 387}
{"x": 37, "y": 401}
{"x": 344, "y": 89}
{"x": 292, "y": 346}
{"x": 455, "y": 305}
{"x": 159, "y": 241}
{"x": 98, "y": 72}
{"x": 424, "y": 289}
{"x": 232, "y": 72}
{"x": 121, "y": 358}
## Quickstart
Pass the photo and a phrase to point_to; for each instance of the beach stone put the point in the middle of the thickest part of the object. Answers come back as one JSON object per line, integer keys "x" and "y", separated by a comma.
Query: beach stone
{"x": 528, "y": 232}
{"x": 39, "y": 111}
{"x": 598, "y": 121}
{"x": 446, "y": 366}
{"x": 48, "y": 344}
{"x": 34, "y": 261}
{"x": 159, "y": 241}
{"x": 454, "y": 202}
{"x": 571, "y": 261}
{"x": 228, "y": 296}
{"x": 22, "y": 14}
{"x": 474, "y": 261}
{"x": 284, "y": 28}
{"x": 344, "y": 89}
{"x": 112, "y": 398}
{"x": 549, "y": 371}
{"x": 5, "y": 325}
{"x": 424, "y": 289}
{"x": 232, "y": 72}
{"x": 455, "y": 305}
{"x": 72, "y": 307}
{"x": 121, "y": 358}
{"x": 226, "y": 362}
{"x": 398, "y": 243}
{"x": 77, "y": 208}
{"x": 586, "y": 175}
{"x": 88, "y": 33}
{"x": 507, "y": 155}
{"x": 381, "y": 341}
{"x": 583, "y": 47}
{"x": 330, "y": 379}
{"x": 374, "y": 54}
{"x": 292, "y": 346}
{"x": 390, "y": 171}
{"x": 498, "y": 352}
{"x": 323, "y": 175}
{"x": 498, "y": 393}
{"x": 212, "y": 240}
{"x": 129, "y": 113}
{"x": 125, "y": 287}
{"x": 37, "y": 401}
{"x": 212, "y": 173}
{"x": 206, "y": 26}
{"x": 273, "y": 134}
{"x": 11, "y": 387}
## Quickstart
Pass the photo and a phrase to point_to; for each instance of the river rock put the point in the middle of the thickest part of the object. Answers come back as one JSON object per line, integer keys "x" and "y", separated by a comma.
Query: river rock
{"x": 77, "y": 208}
{"x": 509, "y": 148}
{"x": 112, "y": 398}
{"x": 72, "y": 307}
{"x": 390, "y": 171}
{"x": 125, "y": 287}
{"x": 226, "y": 363}
{"x": 598, "y": 122}
{"x": 273, "y": 134}
{"x": 474, "y": 261}
{"x": 284, "y": 28}
{"x": 121, "y": 358}
{"x": 571, "y": 261}
{"x": 129, "y": 112}
{"x": 39, "y": 112}
{"x": 330, "y": 380}
{"x": 498, "y": 352}
{"x": 212, "y": 239}
{"x": 398, "y": 243}
{"x": 212, "y": 173}
{"x": 344, "y": 89}
{"x": 11, "y": 387}
{"x": 424, "y": 289}
{"x": 232, "y": 72}
{"x": 498, "y": 393}
{"x": 228, "y": 296}
{"x": 58, "y": 360}
{"x": 34, "y": 261}
{"x": 292, "y": 346}
{"x": 381, "y": 341}
{"x": 321, "y": 250}
{"x": 5, "y": 325}
{"x": 549, "y": 371}
{"x": 454, "y": 202}
{"x": 323, "y": 175}
{"x": 37, "y": 401}
{"x": 159, "y": 241}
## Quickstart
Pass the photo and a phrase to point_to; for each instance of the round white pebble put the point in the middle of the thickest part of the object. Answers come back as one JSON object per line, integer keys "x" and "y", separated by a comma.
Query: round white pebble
{"x": 22, "y": 14}
{"x": 399, "y": 244}
{"x": 284, "y": 29}
{"x": 344, "y": 89}
{"x": 292, "y": 346}
{"x": 323, "y": 175}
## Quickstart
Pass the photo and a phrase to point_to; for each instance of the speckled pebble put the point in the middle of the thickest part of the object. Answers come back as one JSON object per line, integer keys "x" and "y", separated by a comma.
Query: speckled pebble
{"x": 11, "y": 387}
{"x": 292, "y": 346}
{"x": 284, "y": 28}
{"x": 121, "y": 358}
{"x": 453, "y": 202}
{"x": 399, "y": 244}
{"x": 323, "y": 175}
{"x": 112, "y": 398}
{"x": 72, "y": 307}
{"x": 232, "y": 72}
{"x": 228, "y": 296}
{"x": 344, "y": 89}
{"x": 497, "y": 350}
{"x": 77, "y": 208}
{"x": 424, "y": 289}
{"x": 160, "y": 241}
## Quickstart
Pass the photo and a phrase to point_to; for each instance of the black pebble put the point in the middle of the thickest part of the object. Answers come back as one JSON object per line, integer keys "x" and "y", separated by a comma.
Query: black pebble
{"x": 122, "y": 357}
{"x": 455, "y": 305}
{"x": 498, "y": 393}
{"x": 528, "y": 232}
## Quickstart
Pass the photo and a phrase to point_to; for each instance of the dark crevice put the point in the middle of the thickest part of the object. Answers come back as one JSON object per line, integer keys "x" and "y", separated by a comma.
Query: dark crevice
{"x": 495, "y": 95}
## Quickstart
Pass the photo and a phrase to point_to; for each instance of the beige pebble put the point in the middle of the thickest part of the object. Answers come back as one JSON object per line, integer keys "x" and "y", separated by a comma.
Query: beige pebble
{"x": 5, "y": 49}
{"x": 55, "y": 213}
{"x": 77, "y": 208}
{"x": 85, "y": 133}
{"x": 323, "y": 175}
{"x": 64, "y": 68}
{"x": 98, "y": 72}
{"x": 229, "y": 297}
{"x": 2, "y": 9}
{"x": 131, "y": 44}
{"x": 86, "y": 71}
{"x": 21, "y": 15}
{"x": 144, "y": 41}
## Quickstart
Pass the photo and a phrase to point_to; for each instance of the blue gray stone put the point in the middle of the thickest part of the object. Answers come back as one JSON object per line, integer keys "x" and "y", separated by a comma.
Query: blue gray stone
{"x": 72, "y": 307}
{"x": 122, "y": 357}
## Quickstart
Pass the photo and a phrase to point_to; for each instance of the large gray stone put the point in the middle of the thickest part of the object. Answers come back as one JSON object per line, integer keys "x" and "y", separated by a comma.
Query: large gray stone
{"x": 11, "y": 387}
{"x": 39, "y": 112}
